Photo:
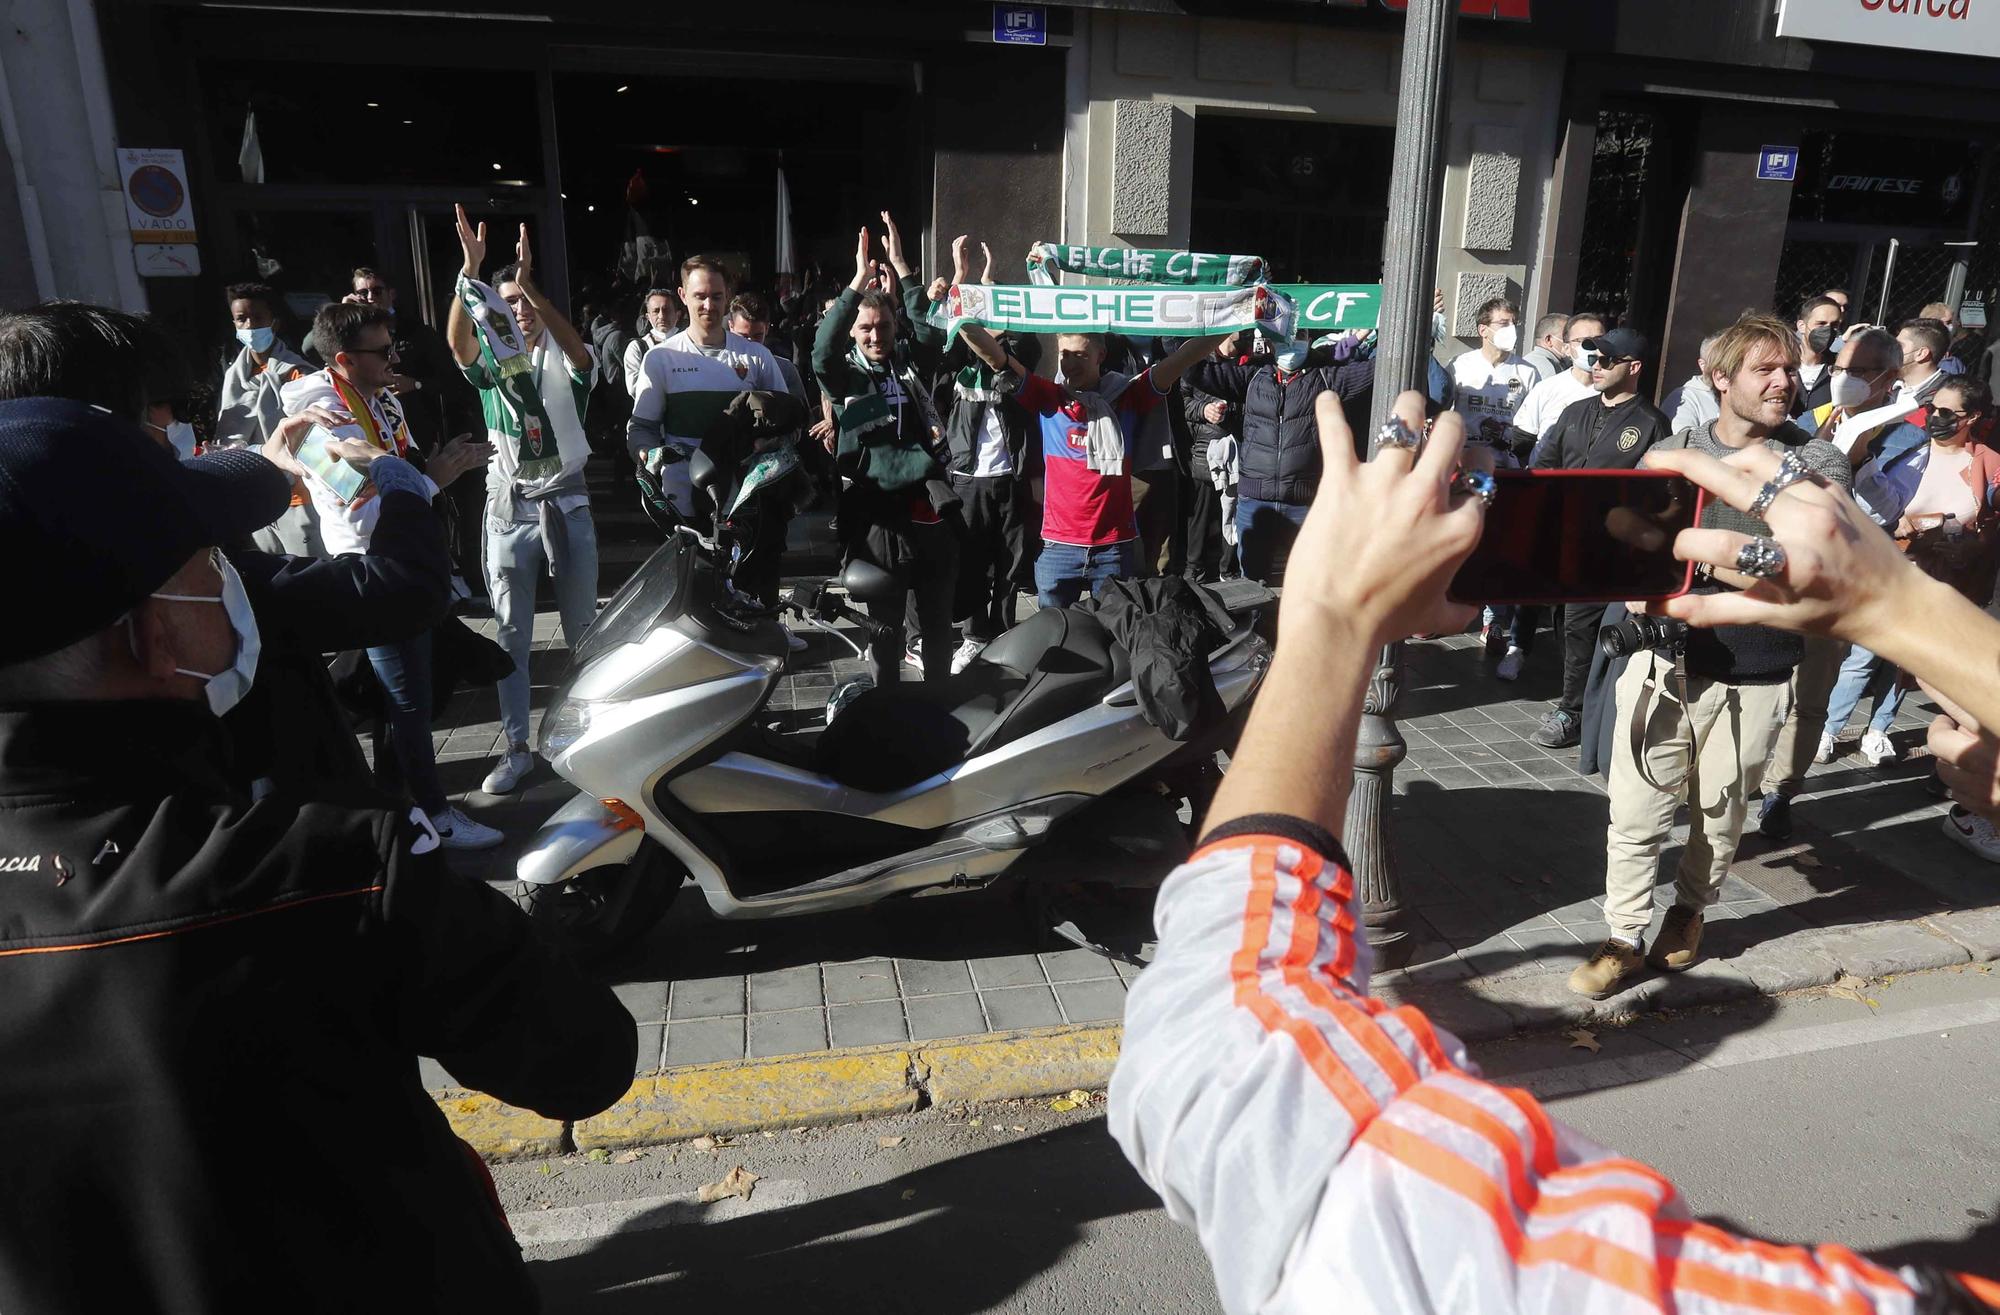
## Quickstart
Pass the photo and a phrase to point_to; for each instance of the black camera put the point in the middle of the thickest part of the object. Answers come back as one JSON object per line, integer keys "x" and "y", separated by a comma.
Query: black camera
{"x": 1644, "y": 631}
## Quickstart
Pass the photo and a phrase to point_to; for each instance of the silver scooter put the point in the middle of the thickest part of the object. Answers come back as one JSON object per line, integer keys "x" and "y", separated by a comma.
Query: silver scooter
{"x": 1035, "y": 764}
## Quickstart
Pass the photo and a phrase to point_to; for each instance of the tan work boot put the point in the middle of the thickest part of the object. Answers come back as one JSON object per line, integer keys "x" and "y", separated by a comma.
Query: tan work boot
{"x": 1607, "y": 970}
{"x": 1679, "y": 943}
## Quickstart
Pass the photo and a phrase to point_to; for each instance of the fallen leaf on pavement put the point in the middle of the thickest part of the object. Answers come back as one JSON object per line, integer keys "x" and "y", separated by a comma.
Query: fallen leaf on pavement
{"x": 972, "y": 1123}
{"x": 1849, "y": 987}
{"x": 628, "y": 1157}
{"x": 1019, "y": 1128}
{"x": 1062, "y": 1104}
{"x": 888, "y": 1143}
{"x": 1583, "y": 1038}
{"x": 909, "y": 1193}
{"x": 703, "y": 1143}
{"x": 598, "y": 1155}
{"x": 737, "y": 1182}
{"x": 1806, "y": 861}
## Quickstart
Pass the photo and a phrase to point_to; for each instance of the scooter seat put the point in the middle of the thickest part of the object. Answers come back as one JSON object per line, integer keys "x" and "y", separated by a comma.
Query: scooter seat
{"x": 1051, "y": 666}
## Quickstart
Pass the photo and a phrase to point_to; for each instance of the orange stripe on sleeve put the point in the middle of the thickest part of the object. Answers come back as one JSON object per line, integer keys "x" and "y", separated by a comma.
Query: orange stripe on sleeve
{"x": 190, "y": 927}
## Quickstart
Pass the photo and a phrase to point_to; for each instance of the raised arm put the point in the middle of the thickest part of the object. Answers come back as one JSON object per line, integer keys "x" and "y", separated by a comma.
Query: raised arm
{"x": 574, "y": 349}
{"x": 1168, "y": 371}
{"x": 458, "y": 330}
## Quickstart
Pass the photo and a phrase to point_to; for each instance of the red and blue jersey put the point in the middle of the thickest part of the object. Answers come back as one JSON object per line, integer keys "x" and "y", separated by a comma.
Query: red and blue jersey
{"x": 1081, "y": 505}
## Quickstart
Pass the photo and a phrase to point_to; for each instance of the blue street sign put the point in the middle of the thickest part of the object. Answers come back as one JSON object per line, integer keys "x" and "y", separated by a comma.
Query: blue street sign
{"x": 1021, "y": 25}
{"x": 1778, "y": 164}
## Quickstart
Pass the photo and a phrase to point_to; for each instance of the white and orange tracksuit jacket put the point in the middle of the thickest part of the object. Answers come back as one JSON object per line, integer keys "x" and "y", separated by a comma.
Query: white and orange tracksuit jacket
{"x": 1338, "y": 1156}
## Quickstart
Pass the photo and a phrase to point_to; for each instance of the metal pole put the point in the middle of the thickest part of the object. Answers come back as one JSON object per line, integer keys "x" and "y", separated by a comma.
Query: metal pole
{"x": 1888, "y": 280}
{"x": 1409, "y": 272}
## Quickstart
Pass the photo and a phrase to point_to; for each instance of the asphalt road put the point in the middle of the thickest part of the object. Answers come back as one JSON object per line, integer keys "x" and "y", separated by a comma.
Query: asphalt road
{"x": 1803, "y": 1119}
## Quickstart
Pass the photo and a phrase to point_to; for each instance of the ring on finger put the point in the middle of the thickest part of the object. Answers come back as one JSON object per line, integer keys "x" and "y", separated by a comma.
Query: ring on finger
{"x": 1790, "y": 471}
{"x": 1395, "y": 433}
{"x": 1476, "y": 483}
{"x": 1760, "y": 559}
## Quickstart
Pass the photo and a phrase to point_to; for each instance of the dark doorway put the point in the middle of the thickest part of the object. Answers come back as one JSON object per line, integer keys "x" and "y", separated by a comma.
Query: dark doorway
{"x": 1639, "y": 178}
{"x": 1311, "y": 198}
{"x": 656, "y": 169}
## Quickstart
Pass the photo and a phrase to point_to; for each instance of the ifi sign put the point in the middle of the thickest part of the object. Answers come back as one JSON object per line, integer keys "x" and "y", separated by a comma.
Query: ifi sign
{"x": 1958, "y": 27}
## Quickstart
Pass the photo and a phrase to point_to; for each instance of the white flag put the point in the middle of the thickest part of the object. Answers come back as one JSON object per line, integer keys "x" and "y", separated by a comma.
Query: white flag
{"x": 251, "y": 156}
{"x": 788, "y": 256}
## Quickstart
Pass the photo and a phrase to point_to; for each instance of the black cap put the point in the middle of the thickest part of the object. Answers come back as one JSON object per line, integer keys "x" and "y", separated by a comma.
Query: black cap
{"x": 1619, "y": 345}
{"x": 94, "y": 516}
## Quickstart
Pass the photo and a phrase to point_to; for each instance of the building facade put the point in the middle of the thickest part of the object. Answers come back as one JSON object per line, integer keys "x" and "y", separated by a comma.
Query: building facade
{"x": 1610, "y": 154}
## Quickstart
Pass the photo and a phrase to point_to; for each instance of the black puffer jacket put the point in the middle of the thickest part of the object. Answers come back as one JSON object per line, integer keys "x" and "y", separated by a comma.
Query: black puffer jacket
{"x": 1280, "y": 456}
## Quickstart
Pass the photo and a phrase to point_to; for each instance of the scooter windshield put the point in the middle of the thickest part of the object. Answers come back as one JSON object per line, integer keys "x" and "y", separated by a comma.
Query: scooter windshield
{"x": 653, "y": 593}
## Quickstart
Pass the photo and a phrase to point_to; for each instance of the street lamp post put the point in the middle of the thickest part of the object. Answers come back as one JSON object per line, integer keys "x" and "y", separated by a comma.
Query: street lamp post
{"x": 1409, "y": 270}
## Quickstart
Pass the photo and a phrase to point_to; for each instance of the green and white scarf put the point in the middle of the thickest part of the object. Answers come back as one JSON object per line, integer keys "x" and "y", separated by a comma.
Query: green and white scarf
{"x": 1142, "y": 265}
{"x": 890, "y": 458}
{"x": 1166, "y": 312}
{"x": 1335, "y": 307}
{"x": 506, "y": 359}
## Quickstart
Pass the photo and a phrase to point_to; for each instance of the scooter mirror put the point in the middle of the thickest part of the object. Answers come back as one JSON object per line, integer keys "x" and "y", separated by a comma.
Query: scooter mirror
{"x": 702, "y": 471}
{"x": 866, "y": 582}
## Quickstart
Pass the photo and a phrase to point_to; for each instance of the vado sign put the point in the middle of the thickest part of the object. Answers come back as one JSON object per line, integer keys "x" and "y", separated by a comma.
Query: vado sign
{"x": 159, "y": 212}
{"x": 1959, "y": 27}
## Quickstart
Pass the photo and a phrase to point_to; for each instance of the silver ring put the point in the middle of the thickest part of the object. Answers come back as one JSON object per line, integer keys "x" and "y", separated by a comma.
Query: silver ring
{"x": 1478, "y": 483}
{"x": 1760, "y": 559}
{"x": 1397, "y": 434}
{"x": 1790, "y": 471}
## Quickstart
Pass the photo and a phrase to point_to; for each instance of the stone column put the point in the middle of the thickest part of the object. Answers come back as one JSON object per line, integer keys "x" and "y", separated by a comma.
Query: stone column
{"x": 1409, "y": 273}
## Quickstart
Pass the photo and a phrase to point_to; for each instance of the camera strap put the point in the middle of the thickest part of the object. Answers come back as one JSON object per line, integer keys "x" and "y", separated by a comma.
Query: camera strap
{"x": 1641, "y": 710}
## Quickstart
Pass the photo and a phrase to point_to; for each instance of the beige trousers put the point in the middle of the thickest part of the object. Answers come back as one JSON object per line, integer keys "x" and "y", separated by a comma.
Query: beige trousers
{"x": 1709, "y": 746}
{"x": 1798, "y": 738}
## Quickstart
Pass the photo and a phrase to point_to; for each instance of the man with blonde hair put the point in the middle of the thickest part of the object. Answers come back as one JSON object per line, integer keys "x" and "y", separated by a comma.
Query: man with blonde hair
{"x": 1703, "y": 720}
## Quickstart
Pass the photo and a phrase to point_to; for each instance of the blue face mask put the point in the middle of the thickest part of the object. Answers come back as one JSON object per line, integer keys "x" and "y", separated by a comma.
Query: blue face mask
{"x": 257, "y": 340}
{"x": 1291, "y": 358}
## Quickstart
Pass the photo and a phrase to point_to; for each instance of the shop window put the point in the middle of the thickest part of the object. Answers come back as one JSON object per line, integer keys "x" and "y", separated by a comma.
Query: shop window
{"x": 1311, "y": 198}
{"x": 1614, "y": 210}
{"x": 371, "y": 124}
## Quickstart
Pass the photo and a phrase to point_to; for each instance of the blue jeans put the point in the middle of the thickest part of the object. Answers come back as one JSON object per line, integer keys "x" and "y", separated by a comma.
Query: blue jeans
{"x": 1064, "y": 569}
{"x": 1863, "y": 673}
{"x": 514, "y": 558}
{"x": 1264, "y": 535}
{"x": 405, "y": 672}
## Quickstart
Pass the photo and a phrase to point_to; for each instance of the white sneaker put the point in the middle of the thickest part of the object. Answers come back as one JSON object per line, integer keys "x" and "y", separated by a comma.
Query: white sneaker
{"x": 457, "y": 831}
{"x": 1824, "y": 754}
{"x": 962, "y": 656}
{"x": 1875, "y": 747}
{"x": 1510, "y": 665}
{"x": 1974, "y": 832}
{"x": 514, "y": 764}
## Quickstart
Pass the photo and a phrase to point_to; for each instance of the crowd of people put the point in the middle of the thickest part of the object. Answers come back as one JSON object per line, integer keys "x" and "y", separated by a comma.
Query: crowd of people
{"x": 182, "y": 780}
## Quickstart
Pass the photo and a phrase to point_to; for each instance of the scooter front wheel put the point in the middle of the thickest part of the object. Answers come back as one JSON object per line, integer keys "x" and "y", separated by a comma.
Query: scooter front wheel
{"x": 601, "y": 911}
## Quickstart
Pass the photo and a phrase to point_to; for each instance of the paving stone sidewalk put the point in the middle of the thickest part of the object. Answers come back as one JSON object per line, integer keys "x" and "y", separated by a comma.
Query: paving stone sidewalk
{"x": 1499, "y": 843}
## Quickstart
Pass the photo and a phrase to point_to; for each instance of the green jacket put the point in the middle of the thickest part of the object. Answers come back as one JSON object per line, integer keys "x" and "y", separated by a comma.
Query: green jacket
{"x": 886, "y": 456}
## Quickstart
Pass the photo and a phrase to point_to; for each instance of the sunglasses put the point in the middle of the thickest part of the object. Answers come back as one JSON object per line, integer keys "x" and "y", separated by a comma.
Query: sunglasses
{"x": 386, "y": 353}
{"x": 1950, "y": 416}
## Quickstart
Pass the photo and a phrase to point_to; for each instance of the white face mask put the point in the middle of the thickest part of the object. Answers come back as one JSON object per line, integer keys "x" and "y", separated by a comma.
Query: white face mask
{"x": 226, "y": 688}
{"x": 1507, "y": 337}
{"x": 1848, "y": 391}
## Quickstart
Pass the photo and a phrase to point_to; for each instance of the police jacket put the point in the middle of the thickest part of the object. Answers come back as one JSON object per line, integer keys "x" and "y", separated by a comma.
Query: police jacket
{"x": 1589, "y": 435}
{"x": 1336, "y": 1151}
{"x": 210, "y": 1018}
{"x": 1280, "y": 456}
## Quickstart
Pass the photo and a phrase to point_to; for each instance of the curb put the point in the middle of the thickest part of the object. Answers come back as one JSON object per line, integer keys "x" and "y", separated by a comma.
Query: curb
{"x": 743, "y": 1096}
{"x": 754, "y": 1095}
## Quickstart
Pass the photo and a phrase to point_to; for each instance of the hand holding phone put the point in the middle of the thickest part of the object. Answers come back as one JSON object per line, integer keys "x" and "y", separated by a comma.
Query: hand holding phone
{"x": 1581, "y": 536}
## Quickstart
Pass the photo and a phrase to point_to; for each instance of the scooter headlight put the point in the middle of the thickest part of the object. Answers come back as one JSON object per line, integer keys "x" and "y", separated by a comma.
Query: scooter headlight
{"x": 565, "y": 724}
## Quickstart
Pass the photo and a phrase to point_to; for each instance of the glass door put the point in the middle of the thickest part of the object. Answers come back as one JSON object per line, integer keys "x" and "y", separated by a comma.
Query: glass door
{"x": 430, "y": 235}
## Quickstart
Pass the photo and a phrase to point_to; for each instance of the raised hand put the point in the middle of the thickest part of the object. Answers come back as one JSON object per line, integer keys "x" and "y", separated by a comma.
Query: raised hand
{"x": 892, "y": 245}
{"x": 986, "y": 272}
{"x": 525, "y": 257}
{"x": 864, "y": 261}
{"x": 463, "y": 453}
{"x": 282, "y": 447}
{"x": 472, "y": 242}
{"x": 960, "y": 270}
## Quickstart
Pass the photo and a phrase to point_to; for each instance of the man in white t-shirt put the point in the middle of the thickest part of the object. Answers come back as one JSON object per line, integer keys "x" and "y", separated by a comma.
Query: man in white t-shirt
{"x": 1547, "y": 400}
{"x": 1488, "y": 385}
{"x": 662, "y": 322}
{"x": 687, "y": 382}
{"x": 537, "y": 523}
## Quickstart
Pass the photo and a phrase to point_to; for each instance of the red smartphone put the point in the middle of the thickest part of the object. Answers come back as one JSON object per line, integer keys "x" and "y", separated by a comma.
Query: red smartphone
{"x": 1582, "y": 536}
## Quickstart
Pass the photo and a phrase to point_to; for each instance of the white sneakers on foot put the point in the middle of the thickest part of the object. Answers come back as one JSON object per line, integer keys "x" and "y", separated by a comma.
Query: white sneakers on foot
{"x": 1875, "y": 747}
{"x": 962, "y": 656}
{"x": 1974, "y": 832}
{"x": 1824, "y": 754}
{"x": 1510, "y": 665}
{"x": 457, "y": 831}
{"x": 514, "y": 764}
